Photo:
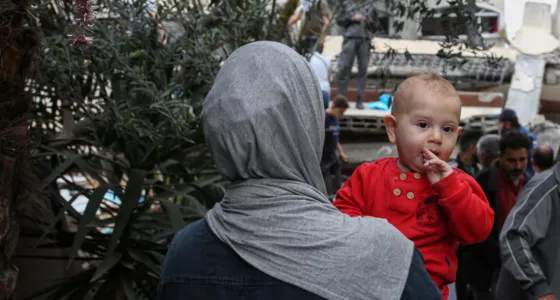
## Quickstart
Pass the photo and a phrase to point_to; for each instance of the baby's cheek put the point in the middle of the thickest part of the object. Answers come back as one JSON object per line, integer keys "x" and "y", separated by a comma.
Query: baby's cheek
{"x": 445, "y": 155}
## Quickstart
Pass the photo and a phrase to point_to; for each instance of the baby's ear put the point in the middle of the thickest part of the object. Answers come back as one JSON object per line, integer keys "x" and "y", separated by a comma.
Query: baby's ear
{"x": 459, "y": 130}
{"x": 391, "y": 126}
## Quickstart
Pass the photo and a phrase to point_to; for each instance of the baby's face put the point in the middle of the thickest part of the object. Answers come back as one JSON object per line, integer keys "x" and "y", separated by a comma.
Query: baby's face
{"x": 428, "y": 120}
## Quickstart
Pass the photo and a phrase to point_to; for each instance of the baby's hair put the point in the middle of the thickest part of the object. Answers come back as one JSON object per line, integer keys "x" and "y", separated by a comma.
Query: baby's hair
{"x": 431, "y": 81}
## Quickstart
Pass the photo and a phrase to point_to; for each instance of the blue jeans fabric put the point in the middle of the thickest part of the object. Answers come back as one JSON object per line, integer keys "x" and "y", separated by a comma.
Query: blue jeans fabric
{"x": 199, "y": 266}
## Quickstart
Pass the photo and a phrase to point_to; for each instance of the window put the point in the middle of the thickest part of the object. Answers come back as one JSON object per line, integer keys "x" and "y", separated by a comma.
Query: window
{"x": 445, "y": 21}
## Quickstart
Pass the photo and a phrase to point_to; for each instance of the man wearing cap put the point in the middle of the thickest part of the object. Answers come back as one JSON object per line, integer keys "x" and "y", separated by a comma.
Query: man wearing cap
{"x": 508, "y": 121}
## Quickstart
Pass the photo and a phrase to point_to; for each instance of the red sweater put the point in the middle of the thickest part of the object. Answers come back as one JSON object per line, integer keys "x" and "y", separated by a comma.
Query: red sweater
{"x": 435, "y": 217}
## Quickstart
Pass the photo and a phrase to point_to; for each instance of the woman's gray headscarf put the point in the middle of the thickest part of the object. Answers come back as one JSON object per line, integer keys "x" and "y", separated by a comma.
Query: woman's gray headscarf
{"x": 264, "y": 122}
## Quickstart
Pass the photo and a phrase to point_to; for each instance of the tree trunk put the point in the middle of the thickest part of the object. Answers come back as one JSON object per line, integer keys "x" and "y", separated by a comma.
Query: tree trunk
{"x": 18, "y": 43}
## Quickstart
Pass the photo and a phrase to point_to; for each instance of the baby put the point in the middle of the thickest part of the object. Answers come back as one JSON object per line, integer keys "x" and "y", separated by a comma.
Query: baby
{"x": 434, "y": 205}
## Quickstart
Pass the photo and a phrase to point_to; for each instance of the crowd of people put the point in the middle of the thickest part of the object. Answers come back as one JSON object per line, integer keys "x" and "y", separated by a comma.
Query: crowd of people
{"x": 419, "y": 226}
{"x": 505, "y": 164}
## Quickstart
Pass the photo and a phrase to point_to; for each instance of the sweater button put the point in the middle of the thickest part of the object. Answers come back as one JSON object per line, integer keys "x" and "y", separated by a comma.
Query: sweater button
{"x": 402, "y": 176}
{"x": 417, "y": 176}
{"x": 410, "y": 195}
{"x": 397, "y": 192}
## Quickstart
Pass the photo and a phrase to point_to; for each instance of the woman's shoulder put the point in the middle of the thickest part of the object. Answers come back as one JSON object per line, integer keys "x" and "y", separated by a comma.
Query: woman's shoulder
{"x": 197, "y": 251}
{"x": 197, "y": 258}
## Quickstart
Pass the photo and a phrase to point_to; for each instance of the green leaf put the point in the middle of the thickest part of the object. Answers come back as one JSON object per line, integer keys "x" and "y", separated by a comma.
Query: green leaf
{"x": 145, "y": 260}
{"x": 137, "y": 54}
{"x": 163, "y": 235}
{"x": 128, "y": 289}
{"x": 86, "y": 169}
{"x": 130, "y": 200}
{"x": 159, "y": 258}
{"x": 175, "y": 215}
{"x": 195, "y": 206}
{"x": 59, "y": 171}
{"x": 108, "y": 263}
{"x": 88, "y": 217}
{"x": 60, "y": 215}
{"x": 184, "y": 189}
{"x": 103, "y": 222}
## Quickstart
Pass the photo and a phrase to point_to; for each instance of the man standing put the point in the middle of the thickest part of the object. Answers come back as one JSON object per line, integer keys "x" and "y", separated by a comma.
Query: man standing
{"x": 501, "y": 183}
{"x": 467, "y": 159}
{"x": 332, "y": 150}
{"x": 530, "y": 242}
{"x": 316, "y": 15}
{"x": 543, "y": 158}
{"x": 508, "y": 121}
{"x": 356, "y": 17}
{"x": 487, "y": 149}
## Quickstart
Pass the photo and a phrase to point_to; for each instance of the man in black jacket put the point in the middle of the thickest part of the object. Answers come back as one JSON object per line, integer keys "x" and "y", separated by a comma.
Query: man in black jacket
{"x": 479, "y": 264}
{"x": 467, "y": 159}
{"x": 358, "y": 18}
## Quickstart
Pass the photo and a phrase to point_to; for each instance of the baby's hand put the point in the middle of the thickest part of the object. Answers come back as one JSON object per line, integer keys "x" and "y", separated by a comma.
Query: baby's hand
{"x": 437, "y": 169}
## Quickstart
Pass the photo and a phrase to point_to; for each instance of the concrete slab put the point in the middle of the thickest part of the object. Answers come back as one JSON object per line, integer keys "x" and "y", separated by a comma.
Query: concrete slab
{"x": 466, "y": 112}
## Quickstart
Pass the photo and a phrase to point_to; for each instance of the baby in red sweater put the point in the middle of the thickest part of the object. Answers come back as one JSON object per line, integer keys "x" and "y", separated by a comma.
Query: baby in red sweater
{"x": 434, "y": 205}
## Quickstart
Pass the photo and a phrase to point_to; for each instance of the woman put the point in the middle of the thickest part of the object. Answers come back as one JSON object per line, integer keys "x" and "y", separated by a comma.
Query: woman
{"x": 275, "y": 235}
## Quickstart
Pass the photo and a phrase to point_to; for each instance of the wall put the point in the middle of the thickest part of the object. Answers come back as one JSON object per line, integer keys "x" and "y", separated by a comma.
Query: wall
{"x": 513, "y": 13}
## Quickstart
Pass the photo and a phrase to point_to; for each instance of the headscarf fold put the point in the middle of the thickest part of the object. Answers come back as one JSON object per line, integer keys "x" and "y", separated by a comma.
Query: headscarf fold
{"x": 264, "y": 122}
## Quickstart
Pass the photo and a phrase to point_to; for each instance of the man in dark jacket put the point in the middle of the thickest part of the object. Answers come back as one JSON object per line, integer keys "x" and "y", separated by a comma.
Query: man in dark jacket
{"x": 358, "y": 20}
{"x": 467, "y": 159}
{"x": 479, "y": 264}
{"x": 530, "y": 242}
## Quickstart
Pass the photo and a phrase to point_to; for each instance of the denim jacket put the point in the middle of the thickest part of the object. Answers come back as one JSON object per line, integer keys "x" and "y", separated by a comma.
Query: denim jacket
{"x": 199, "y": 266}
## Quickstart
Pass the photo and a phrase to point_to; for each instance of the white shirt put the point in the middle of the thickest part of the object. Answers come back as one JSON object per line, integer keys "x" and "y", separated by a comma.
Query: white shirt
{"x": 151, "y": 5}
{"x": 321, "y": 66}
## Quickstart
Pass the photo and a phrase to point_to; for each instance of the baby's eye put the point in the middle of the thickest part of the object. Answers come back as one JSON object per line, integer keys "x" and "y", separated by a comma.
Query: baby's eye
{"x": 448, "y": 129}
{"x": 422, "y": 125}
